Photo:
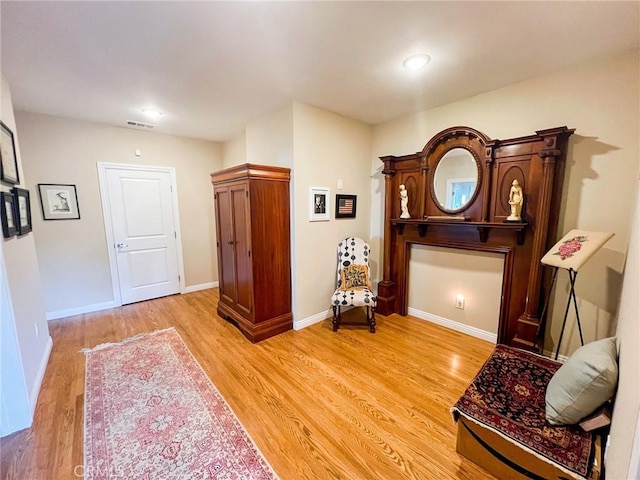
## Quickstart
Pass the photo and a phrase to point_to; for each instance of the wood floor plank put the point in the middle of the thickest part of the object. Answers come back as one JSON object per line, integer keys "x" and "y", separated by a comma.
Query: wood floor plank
{"x": 319, "y": 404}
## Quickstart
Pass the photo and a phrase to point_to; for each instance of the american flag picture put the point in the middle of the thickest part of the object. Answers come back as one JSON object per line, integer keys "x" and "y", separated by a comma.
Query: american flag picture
{"x": 345, "y": 206}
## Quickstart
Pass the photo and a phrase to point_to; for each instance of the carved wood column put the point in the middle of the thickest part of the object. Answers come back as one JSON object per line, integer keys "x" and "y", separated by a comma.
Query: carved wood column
{"x": 486, "y": 186}
{"x": 387, "y": 288}
{"x": 529, "y": 321}
{"x": 424, "y": 176}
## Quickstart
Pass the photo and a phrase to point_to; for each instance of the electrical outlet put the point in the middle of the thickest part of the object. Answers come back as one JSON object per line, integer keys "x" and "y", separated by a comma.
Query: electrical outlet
{"x": 460, "y": 302}
{"x": 37, "y": 330}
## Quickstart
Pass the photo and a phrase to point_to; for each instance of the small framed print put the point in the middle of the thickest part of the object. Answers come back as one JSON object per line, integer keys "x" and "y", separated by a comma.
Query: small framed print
{"x": 8, "y": 158}
{"x": 346, "y": 206}
{"x": 319, "y": 207}
{"x": 23, "y": 210}
{"x": 8, "y": 214}
{"x": 58, "y": 201}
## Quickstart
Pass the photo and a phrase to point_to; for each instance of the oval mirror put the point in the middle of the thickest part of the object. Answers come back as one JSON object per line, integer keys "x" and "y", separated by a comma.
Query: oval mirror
{"x": 455, "y": 179}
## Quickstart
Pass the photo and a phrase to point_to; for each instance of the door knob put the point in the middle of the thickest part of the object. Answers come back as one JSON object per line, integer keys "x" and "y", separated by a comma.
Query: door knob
{"x": 122, "y": 245}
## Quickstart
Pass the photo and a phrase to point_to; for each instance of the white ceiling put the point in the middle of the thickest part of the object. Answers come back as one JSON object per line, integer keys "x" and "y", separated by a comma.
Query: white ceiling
{"x": 213, "y": 66}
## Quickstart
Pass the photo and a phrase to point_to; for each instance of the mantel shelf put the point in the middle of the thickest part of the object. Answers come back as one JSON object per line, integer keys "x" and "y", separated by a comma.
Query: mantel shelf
{"x": 483, "y": 227}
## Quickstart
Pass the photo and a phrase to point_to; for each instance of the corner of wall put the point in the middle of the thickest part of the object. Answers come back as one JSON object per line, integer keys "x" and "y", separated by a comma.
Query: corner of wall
{"x": 28, "y": 341}
{"x": 234, "y": 150}
{"x": 622, "y": 459}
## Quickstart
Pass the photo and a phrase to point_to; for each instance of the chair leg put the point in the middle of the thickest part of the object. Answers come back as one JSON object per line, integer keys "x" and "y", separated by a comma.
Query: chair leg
{"x": 371, "y": 320}
{"x": 336, "y": 317}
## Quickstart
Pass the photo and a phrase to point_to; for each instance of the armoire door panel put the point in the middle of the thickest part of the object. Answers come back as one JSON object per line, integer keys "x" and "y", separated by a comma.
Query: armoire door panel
{"x": 226, "y": 259}
{"x": 241, "y": 246}
{"x": 270, "y": 241}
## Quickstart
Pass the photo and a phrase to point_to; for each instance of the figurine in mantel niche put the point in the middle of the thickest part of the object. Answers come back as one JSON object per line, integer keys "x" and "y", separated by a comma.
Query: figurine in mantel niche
{"x": 516, "y": 198}
{"x": 404, "y": 202}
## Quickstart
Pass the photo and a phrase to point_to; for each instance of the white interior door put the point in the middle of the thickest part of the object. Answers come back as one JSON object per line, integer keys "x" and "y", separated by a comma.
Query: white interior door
{"x": 141, "y": 211}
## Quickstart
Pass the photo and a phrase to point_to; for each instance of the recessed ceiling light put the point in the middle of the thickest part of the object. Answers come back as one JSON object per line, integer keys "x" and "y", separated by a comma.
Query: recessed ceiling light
{"x": 152, "y": 113}
{"x": 414, "y": 62}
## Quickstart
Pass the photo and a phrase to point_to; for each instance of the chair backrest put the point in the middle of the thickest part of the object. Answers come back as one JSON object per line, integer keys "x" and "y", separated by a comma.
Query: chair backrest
{"x": 352, "y": 250}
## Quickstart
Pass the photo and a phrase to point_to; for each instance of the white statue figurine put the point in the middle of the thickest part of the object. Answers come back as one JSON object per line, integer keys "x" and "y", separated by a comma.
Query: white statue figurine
{"x": 516, "y": 198}
{"x": 404, "y": 202}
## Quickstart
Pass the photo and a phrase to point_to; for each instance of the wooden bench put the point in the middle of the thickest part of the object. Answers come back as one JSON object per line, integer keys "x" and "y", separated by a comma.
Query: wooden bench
{"x": 502, "y": 425}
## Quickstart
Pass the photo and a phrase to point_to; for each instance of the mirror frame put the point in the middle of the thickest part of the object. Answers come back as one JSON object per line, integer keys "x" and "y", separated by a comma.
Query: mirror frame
{"x": 432, "y": 179}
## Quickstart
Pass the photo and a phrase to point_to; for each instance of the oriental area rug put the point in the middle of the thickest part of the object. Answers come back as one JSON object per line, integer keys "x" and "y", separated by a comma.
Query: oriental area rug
{"x": 508, "y": 397}
{"x": 152, "y": 413}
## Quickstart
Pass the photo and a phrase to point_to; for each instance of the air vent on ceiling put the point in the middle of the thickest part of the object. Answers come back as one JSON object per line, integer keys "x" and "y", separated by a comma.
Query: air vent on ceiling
{"x": 133, "y": 123}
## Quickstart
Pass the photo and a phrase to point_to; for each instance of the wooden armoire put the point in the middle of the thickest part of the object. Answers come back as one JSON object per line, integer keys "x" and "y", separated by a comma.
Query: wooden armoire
{"x": 254, "y": 251}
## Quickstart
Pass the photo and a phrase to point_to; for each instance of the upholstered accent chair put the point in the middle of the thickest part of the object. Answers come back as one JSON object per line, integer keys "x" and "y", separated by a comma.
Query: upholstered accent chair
{"x": 353, "y": 281}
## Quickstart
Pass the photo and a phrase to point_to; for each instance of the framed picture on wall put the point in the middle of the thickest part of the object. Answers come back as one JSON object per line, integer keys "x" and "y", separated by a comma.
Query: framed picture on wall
{"x": 319, "y": 207}
{"x": 346, "y": 206}
{"x": 23, "y": 210}
{"x": 58, "y": 201}
{"x": 8, "y": 214}
{"x": 8, "y": 158}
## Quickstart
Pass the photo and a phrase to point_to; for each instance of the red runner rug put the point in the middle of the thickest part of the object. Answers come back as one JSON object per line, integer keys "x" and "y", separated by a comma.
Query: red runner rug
{"x": 508, "y": 397}
{"x": 152, "y": 413}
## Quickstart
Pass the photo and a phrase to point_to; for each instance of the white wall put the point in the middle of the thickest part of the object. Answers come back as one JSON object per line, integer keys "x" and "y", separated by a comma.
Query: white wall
{"x": 73, "y": 253}
{"x": 28, "y": 343}
{"x": 601, "y": 102}
{"x": 327, "y": 147}
{"x": 15, "y": 407}
{"x": 270, "y": 139}
{"x": 266, "y": 140}
{"x": 627, "y": 407}
{"x": 481, "y": 287}
{"x": 234, "y": 151}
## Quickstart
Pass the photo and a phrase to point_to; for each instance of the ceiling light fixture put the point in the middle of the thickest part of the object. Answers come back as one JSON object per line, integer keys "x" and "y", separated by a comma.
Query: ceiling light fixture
{"x": 414, "y": 62}
{"x": 152, "y": 113}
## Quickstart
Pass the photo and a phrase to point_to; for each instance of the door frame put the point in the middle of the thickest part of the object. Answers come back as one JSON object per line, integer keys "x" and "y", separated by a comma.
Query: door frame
{"x": 108, "y": 227}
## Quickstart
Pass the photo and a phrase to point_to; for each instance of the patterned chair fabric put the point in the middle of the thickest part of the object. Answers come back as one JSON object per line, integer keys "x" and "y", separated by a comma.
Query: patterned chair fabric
{"x": 353, "y": 251}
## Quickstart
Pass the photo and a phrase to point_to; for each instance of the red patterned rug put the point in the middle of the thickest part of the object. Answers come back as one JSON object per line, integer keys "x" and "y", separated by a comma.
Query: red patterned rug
{"x": 152, "y": 413}
{"x": 508, "y": 397}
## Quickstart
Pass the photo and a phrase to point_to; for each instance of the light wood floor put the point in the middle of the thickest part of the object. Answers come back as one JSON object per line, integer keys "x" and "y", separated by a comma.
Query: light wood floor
{"x": 319, "y": 405}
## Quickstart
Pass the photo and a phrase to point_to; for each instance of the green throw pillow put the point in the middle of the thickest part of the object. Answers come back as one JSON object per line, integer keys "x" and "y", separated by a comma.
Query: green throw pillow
{"x": 586, "y": 381}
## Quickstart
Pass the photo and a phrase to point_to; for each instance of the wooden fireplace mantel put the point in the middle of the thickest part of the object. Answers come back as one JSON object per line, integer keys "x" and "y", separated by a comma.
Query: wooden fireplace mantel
{"x": 483, "y": 228}
{"x": 536, "y": 161}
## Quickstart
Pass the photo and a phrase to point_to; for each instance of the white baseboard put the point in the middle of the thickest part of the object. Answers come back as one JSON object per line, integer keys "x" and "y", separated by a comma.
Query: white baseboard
{"x": 35, "y": 388}
{"x": 550, "y": 354}
{"x": 69, "y": 312}
{"x": 96, "y": 307}
{"x": 306, "y": 322}
{"x": 202, "y": 286}
{"x": 457, "y": 326}
{"x": 318, "y": 317}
